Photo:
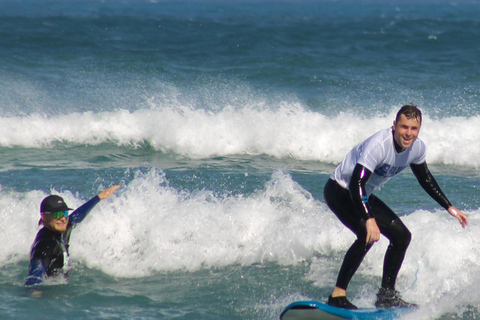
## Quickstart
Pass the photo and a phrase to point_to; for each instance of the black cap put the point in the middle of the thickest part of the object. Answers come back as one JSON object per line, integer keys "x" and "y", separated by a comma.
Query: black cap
{"x": 53, "y": 204}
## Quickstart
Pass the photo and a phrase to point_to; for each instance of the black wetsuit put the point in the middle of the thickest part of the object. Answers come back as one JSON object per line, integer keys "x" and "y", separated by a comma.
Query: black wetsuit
{"x": 353, "y": 208}
{"x": 50, "y": 249}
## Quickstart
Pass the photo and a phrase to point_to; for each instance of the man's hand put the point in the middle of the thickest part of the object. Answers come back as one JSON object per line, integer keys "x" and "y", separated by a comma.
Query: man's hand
{"x": 373, "y": 232}
{"x": 459, "y": 215}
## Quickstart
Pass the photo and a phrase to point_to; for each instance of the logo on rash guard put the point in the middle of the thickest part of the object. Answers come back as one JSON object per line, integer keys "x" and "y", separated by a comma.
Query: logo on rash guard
{"x": 364, "y": 199}
{"x": 388, "y": 171}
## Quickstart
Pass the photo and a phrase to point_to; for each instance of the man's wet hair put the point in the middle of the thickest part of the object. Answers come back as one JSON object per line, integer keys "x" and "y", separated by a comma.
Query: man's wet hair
{"x": 410, "y": 111}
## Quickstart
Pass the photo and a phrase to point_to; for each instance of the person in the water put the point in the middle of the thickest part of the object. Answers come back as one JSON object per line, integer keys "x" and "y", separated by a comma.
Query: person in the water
{"x": 49, "y": 252}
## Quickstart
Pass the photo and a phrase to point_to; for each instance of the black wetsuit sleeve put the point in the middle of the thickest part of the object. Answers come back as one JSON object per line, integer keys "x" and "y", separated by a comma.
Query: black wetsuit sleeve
{"x": 41, "y": 255}
{"x": 78, "y": 215}
{"x": 428, "y": 183}
{"x": 36, "y": 272}
{"x": 357, "y": 190}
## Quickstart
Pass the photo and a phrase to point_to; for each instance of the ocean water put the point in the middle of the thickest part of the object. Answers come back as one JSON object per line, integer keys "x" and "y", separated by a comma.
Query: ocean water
{"x": 222, "y": 121}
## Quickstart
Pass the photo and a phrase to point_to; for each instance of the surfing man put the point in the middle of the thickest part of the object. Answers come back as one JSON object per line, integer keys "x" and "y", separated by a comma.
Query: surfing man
{"x": 349, "y": 194}
{"x": 49, "y": 253}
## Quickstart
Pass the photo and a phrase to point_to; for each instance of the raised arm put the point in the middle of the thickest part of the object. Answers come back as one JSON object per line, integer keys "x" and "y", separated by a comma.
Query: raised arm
{"x": 430, "y": 185}
{"x": 78, "y": 215}
{"x": 108, "y": 192}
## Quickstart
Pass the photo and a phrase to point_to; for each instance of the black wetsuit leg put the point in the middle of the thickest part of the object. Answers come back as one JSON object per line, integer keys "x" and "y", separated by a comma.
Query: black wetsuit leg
{"x": 394, "y": 230}
{"x": 340, "y": 202}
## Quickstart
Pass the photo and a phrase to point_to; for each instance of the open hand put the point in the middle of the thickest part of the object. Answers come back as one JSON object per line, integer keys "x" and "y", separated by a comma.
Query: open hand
{"x": 108, "y": 192}
{"x": 462, "y": 218}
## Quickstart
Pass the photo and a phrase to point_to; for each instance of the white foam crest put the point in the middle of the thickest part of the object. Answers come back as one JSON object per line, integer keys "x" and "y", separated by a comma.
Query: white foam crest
{"x": 286, "y": 131}
{"x": 453, "y": 141}
{"x": 18, "y": 229}
{"x": 148, "y": 226}
{"x": 152, "y": 227}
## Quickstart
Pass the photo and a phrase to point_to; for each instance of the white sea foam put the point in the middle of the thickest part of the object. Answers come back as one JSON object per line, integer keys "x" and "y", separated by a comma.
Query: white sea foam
{"x": 286, "y": 131}
{"x": 150, "y": 227}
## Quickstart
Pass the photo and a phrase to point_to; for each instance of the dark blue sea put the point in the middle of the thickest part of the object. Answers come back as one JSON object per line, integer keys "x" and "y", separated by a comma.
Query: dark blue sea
{"x": 222, "y": 121}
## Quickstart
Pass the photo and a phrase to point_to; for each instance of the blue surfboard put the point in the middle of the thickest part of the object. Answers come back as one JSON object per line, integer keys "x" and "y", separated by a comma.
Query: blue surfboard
{"x": 314, "y": 310}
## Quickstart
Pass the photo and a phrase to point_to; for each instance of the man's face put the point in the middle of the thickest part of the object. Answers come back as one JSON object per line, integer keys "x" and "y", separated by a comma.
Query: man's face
{"x": 54, "y": 224}
{"x": 406, "y": 131}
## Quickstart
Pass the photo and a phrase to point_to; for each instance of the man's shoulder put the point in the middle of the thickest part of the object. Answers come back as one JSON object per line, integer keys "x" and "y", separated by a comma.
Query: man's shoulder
{"x": 420, "y": 142}
{"x": 379, "y": 140}
{"x": 380, "y": 136}
{"x": 386, "y": 133}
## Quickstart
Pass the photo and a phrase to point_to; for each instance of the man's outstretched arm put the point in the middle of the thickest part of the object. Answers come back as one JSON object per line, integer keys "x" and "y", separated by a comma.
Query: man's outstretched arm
{"x": 430, "y": 185}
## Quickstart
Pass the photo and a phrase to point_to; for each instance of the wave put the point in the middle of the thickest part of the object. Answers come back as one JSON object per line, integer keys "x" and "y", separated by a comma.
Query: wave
{"x": 288, "y": 131}
{"x": 150, "y": 227}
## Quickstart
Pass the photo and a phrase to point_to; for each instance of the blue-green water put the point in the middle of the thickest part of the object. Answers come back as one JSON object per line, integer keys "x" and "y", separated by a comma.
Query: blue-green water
{"x": 222, "y": 121}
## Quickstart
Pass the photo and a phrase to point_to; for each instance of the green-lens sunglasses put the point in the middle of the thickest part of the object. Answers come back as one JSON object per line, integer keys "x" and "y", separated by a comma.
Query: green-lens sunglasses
{"x": 59, "y": 214}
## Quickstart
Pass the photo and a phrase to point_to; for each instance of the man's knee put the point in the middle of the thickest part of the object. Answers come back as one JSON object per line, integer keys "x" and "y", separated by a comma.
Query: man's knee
{"x": 401, "y": 236}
